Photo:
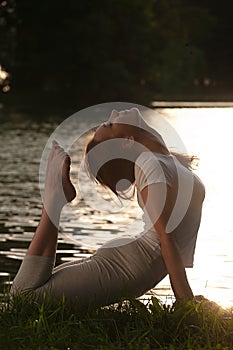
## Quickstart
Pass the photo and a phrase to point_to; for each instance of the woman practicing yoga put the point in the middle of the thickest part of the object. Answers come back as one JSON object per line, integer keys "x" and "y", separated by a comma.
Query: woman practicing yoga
{"x": 124, "y": 153}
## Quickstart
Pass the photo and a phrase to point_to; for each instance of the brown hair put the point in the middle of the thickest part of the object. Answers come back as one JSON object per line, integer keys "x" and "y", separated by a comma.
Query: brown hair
{"x": 108, "y": 166}
{"x": 189, "y": 162}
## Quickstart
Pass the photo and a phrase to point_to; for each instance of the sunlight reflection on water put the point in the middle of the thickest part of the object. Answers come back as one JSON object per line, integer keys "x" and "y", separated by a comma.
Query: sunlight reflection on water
{"x": 205, "y": 132}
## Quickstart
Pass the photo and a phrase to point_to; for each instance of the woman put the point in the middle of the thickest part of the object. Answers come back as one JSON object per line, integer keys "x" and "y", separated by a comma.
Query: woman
{"x": 123, "y": 153}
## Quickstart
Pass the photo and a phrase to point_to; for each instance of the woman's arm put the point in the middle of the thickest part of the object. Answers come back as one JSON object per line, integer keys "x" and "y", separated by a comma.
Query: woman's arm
{"x": 169, "y": 248}
{"x": 175, "y": 267}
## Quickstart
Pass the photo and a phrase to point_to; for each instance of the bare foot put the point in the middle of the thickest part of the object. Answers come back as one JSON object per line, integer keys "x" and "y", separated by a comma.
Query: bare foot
{"x": 59, "y": 189}
{"x": 67, "y": 185}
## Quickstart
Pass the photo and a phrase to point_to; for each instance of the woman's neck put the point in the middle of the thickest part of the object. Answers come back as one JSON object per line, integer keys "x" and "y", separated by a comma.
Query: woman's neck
{"x": 151, "y": 140}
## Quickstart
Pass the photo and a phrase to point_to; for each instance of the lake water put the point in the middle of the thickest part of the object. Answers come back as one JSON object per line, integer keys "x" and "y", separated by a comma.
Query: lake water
{"x": 205, "y": 132}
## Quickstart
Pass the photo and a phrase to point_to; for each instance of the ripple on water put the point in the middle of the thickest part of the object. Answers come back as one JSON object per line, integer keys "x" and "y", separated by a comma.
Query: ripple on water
{"x": 84, "y": 230}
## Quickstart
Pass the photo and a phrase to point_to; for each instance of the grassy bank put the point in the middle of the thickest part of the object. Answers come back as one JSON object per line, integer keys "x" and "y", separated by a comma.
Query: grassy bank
{"x": 24, "y": 324}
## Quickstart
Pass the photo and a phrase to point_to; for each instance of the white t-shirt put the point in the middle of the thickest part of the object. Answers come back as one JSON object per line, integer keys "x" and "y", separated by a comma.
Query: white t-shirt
{"x": 152, "y": 168}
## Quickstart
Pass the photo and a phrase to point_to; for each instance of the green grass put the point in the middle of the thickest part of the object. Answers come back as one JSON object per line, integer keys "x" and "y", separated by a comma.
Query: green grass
{"x": 25, "y": 324}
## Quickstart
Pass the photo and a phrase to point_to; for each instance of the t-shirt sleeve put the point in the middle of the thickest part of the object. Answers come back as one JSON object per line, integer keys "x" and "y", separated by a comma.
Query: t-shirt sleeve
{"x": 148, "y": 170}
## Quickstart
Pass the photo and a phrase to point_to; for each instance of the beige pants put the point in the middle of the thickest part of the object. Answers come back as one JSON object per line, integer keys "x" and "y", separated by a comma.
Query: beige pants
{"x": 106, "y": 277}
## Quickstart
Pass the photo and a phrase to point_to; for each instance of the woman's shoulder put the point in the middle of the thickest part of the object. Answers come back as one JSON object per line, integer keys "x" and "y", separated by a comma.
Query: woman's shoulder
{"x": 152, "y": 159}
{"x": 145, "y": 160}
{"x": 149, "y": 168}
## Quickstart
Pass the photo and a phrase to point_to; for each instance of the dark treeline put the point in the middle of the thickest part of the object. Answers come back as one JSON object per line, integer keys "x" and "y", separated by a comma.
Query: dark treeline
{"x": 66, "y": 55}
